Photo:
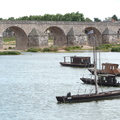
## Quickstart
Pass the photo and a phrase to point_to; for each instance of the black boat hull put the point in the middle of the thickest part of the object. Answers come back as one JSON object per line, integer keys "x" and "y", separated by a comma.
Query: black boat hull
{"x": 76, "y": 65}
{"x": 92, "y": 82}
{"x": 89, "y": 97}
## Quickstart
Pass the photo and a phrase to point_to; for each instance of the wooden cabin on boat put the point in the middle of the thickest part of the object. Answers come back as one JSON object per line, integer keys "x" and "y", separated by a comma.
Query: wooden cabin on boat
{"x": 108, "y": 68}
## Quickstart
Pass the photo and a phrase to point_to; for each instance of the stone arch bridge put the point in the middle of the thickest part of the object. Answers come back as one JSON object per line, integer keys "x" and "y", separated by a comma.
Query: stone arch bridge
{"x": 30, "y": 34}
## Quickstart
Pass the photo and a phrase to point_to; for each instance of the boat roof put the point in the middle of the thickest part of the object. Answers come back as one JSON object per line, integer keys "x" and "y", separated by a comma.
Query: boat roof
{"x": 109, "y": 64}
{"x": 77, "y": 56}
{"x": 106, "y": 75}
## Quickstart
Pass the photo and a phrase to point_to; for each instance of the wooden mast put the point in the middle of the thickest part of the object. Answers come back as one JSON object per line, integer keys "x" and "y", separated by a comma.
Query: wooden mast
{"x": 95, "y": 63}
{"x": 92, "y": 32}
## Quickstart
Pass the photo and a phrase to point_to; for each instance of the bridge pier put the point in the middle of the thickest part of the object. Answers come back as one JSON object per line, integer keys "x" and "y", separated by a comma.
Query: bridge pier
{"x": 37, "y": 39}
{"x": 1, "y": 42}
{"x": 73, "y": 38}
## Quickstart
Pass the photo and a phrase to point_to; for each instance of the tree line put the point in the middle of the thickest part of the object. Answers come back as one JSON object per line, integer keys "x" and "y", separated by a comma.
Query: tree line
{"x": 74, "y": 16}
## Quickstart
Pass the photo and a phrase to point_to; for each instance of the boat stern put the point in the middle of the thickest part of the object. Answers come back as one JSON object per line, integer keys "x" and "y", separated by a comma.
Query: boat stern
{"x": 60, "y": 99}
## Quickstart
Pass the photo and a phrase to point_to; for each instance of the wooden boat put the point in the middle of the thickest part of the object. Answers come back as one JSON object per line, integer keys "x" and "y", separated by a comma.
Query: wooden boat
{"x": 107, "y": 68}
{"x": 103, "y": 80}
{"x": 90, "y": 96}
{"x": 77, "y": 61}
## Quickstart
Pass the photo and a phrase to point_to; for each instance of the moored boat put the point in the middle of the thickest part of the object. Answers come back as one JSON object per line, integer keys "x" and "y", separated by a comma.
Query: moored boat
{"x": 77, "y": 61}
{"x": 103, "y": 80}
{"x": 88, "y": 97}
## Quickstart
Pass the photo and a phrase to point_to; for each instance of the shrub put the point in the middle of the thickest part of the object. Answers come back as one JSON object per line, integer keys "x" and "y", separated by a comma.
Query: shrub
{"x": 10, "y": 53}
{"x": 104, "y": 46}
{"x": 34, "y": 50}
{"x": 46, "y": 50}
{"x": 10, "y": 48}
{"x": 55, "y": 49}
{"x": 115, "y": 49}
{"x": 67, "y": 48}
{"x": 51, "y": 49}
{"x": 73, "y": 48}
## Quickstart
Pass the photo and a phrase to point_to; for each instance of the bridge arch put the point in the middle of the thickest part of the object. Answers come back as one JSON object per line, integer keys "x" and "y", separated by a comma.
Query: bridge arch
{"x": 97, "y": 35}
{"x": 20, "y": 36}
{"x": 57, "y": 35}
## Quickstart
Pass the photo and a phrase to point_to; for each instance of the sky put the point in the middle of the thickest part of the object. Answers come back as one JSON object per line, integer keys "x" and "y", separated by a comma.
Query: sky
{"x": 89, "y": 8}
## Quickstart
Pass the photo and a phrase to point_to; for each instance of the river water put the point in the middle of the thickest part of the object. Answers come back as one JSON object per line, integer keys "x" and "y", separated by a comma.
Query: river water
{"x": 30, "y": 82}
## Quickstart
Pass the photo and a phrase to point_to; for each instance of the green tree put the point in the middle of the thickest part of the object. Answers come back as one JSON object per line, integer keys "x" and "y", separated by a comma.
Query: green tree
{"x": 67, "y": 17}
{"x": 59, "y": 17}
{"x": 23, "y": 18}
{"x": 114, "y": 17}
{"x": 11, "y": 18}
{"x": 73, "y": 17}
{"x": 88, "y": 20}
{"x": 97, "y": 20}
{"x": 77, "y": 16}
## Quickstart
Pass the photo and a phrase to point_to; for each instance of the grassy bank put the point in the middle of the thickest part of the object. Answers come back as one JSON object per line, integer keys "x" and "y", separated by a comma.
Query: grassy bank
{"x": 109, "y": 47}
{"x": 55, "y": 49}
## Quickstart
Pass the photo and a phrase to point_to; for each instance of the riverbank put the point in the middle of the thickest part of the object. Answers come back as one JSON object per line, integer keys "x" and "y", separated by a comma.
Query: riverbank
{"x": 103, "y": 47}
{"x": 48, "y": 49}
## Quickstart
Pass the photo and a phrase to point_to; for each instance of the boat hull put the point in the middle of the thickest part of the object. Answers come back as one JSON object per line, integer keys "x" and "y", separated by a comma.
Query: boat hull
{"x": 92, "y": 82}
{"x": 76, "y": 65}
{"x": 102, "y": 72}
{"x": 89, "y": 97}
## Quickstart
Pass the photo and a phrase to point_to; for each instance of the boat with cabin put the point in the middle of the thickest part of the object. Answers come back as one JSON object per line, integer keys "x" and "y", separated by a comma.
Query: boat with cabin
{"x": 77, "y": 61}
{"x": 103, "y": 80}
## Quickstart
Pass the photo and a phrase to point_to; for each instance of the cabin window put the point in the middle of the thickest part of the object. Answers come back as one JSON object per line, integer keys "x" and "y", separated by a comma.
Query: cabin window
{"x": 72, "y": 60}
{"x": 87, "y": 61}
{"x": 111, "y": 67}
{"x": 103, "y": 67}
{"x": 112, "y": 80}
{"x": 104, "y": 78}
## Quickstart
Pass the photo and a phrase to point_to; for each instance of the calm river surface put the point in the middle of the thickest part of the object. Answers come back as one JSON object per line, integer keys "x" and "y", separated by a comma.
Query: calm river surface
{"x": 30, "y": 82}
